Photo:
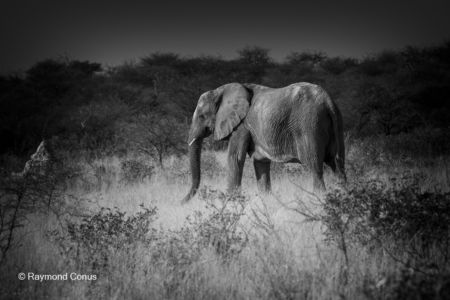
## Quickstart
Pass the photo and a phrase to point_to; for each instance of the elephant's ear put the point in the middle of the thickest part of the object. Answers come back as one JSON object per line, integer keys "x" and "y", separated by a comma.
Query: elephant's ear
{"x": 233, "y": 108}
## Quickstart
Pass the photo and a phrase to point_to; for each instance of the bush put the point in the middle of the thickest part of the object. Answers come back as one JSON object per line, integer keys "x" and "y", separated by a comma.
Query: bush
{"x": 409, "y": 284}
{"x": 399, "y": 211}
{"x": 26, "y": 193}
{"x": 409, "y": 149}
{"x": 134, "y": 171}
{"x": 219, "y": 228}
{"x": 411, "y": 226}
{"x": 91, "y": 241}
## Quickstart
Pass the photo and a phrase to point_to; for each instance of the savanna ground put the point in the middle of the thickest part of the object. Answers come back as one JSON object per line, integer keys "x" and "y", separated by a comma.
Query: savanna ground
{"x": 384, "y": 237}
{"x": 110, "y": 206}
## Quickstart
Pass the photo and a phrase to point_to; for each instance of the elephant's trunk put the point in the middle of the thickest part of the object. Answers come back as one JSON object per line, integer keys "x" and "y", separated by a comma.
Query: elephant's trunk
{"x": 195, "y": 149}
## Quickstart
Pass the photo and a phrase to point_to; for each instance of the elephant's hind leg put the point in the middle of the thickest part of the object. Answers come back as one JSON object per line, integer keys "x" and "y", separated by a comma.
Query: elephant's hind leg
{"x": 340, "y": 170}
{"x": 331, "y": 163}
{"x": 311, "y": 154}
{"x": 337, "y": 167}
{"x": 262, "y": 172}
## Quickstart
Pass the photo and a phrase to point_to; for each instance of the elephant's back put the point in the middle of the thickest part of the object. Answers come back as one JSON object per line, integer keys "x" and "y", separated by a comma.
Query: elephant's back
{"x": 277, "y": 117}
{"x": 271, "y": 105}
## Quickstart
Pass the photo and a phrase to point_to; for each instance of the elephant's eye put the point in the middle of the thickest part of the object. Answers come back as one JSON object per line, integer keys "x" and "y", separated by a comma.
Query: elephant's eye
{"x": 201, "y": 117}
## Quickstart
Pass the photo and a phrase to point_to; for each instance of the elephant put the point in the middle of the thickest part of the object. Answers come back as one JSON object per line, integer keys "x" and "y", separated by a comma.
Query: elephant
{"x": 297, "y": 123}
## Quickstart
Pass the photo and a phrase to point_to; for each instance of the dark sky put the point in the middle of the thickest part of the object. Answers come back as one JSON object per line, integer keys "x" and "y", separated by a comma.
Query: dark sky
{"x": 112, "y": 32}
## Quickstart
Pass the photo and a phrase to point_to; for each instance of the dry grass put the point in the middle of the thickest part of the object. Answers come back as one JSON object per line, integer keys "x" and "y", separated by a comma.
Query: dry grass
{"x": 284, "y": 258}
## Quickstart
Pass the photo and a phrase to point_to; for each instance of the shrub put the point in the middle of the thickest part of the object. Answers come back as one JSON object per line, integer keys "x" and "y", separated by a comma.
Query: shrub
{"x": 28, "y": 193}
{"x": 401, "y": 211}
{"x": 134, "y": 171}
{"x": 155, "y": 134}
{"x": 407, "y": 148}
{"x": 90, "y": 241}
{"x": 219, "y": 228}
{"x": 410, "y": 225}
{"x": 410, "y": 284}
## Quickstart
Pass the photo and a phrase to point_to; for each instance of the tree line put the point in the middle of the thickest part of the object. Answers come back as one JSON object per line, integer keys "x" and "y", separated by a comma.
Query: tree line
{"x": 146, "y": 105}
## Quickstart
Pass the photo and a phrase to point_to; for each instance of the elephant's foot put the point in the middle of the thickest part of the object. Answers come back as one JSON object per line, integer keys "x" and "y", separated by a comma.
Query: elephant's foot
{"x": 234, "y": 190}
{"x": 342, "y": 178}
{"x": 264, "y": 187}
{"x": 318, "y": 186}
{"x": 262, "y": 172}
{"x": 186, "y": 199}
{"x": 189, "y": 196}
{"x": 265, "y": 194}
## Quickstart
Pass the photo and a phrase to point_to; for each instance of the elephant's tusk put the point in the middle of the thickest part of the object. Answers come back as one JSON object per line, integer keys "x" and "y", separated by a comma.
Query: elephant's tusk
{"x": 193, "y": 140}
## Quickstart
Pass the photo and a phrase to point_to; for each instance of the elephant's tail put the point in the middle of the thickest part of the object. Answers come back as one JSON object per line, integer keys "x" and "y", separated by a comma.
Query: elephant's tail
{"x": 338, "y": 129}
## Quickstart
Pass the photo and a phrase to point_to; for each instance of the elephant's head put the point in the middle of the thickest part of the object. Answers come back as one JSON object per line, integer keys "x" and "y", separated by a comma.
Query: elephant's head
{"x": 218, "y": 111}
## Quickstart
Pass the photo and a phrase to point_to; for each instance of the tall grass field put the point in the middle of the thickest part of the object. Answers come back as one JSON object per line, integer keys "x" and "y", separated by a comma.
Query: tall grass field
{"x": 116, "y": 228}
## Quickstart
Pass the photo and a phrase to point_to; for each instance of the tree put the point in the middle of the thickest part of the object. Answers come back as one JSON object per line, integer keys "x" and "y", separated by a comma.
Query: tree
{"x": 53, "y": 78}
{"x": 304, "y": 66}
{"x": 382, "y": 111}
{"x": 96, "y": 124}
{"x": 337, "y": 65}
{"x": 254, "y": 60}
{"x": 305, "y": 58}
{"x": 155, "y": 134}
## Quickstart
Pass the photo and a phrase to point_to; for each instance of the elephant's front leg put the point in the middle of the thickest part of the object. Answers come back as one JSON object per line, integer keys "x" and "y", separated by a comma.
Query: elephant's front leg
{"x": 262, "y": 172}
{"x": 237, "y": 150}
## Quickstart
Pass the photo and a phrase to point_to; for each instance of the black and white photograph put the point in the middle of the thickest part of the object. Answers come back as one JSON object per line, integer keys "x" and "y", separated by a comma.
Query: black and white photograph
{"x": 225, "y": 149}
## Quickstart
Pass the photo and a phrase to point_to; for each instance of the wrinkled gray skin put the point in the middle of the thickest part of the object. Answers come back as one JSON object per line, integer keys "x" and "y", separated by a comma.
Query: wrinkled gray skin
{"x": 297, "y": 123}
